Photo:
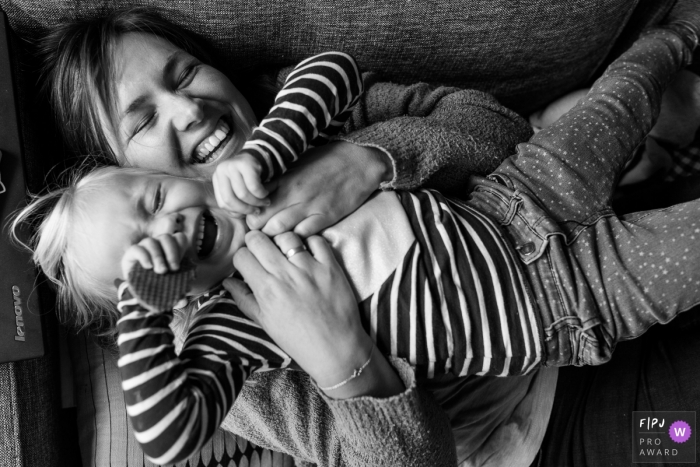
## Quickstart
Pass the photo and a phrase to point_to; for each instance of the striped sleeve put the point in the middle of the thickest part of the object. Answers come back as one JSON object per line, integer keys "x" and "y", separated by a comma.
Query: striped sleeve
{"x": 317, "y": 97}
{"x": 175, "y": 403}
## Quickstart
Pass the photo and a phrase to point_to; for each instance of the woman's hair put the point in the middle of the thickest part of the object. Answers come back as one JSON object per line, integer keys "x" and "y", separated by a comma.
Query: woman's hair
{"x": 55, "y": 218}
{"x": 78, "y": 71}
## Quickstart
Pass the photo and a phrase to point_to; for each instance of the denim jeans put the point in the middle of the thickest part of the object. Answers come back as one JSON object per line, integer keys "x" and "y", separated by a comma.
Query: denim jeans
{"x": 597, "y": 278}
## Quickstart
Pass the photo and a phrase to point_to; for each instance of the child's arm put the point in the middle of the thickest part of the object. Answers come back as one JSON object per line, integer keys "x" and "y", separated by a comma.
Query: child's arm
{"x": 175, "y": 403}
{"x": 312, "y": 106}
{"x": 317, "y": 98}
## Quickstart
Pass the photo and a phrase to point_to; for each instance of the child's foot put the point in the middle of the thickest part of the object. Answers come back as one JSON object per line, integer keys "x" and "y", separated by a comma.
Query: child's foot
{"x": 675, "y": 129}
{"x": 651, "y": 158}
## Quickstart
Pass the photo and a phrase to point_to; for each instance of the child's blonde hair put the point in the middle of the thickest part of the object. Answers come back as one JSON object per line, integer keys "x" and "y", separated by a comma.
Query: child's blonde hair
{"x": 57, "y": 215}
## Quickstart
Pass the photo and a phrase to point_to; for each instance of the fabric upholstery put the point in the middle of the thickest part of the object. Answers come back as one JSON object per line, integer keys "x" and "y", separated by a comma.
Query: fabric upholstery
{"x": 525, "y": 53}
{"x": 106, "y": 436}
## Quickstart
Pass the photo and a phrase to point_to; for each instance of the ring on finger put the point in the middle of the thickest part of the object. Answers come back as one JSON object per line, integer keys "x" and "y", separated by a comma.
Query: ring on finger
{"x": 294, "y": 251}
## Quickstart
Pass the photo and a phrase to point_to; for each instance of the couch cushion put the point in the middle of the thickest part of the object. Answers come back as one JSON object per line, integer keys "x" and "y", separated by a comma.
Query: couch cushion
{"x": 525, "y": 53}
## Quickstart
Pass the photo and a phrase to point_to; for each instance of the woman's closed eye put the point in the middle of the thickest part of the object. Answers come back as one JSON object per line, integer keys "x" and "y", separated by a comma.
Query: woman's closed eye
{"x": 184, "y": 79}
{"x": 187, "y": 75}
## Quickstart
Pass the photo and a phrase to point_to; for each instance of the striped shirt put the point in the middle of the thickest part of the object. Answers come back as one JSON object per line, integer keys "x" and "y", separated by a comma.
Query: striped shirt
{"x": 456, "y": 304}
{"x": 317, "y": 98}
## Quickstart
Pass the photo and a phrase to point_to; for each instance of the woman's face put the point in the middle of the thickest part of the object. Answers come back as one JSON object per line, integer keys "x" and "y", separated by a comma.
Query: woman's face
{"x": 172, "y": 112}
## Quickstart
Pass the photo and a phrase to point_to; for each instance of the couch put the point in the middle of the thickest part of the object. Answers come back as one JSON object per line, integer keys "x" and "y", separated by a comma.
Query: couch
{"x": 525, "y": 53}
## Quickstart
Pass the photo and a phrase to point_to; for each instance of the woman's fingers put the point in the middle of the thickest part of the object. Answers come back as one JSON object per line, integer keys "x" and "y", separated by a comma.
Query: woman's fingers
{"x": 321, "y": 250}
{"x": 266, "y": 253}
{"x": 292, "y": 247}
{"x": 247, "y": 264}
{"x": 312, "y": 225}
{"x": 244, "y": 298}
{"x": 284, "y": 220}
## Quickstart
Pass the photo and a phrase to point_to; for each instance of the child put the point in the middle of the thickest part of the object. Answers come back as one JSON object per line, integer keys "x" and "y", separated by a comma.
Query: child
{"x": 534, "y": 269}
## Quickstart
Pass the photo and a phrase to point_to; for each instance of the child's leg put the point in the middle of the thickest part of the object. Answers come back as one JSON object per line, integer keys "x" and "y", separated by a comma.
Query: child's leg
{"x": 572, "y": 167}
{"x": 618, "y": 278}
{"x": 587, "y": 267}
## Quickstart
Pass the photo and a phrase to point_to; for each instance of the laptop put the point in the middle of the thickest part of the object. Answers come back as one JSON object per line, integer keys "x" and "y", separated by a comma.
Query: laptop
{"x": 21, "y": 322}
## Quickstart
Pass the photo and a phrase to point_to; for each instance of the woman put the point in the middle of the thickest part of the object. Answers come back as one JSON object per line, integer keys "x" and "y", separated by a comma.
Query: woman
{"x": 157, "y": 101}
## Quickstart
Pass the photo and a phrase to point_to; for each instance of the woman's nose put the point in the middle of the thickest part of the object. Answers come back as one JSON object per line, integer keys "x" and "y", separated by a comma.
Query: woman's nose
{"x": 185, "y": 111}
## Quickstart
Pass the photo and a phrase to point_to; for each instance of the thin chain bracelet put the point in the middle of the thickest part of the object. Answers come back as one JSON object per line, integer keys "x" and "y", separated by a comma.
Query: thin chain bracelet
{"x": 356, "y": 373}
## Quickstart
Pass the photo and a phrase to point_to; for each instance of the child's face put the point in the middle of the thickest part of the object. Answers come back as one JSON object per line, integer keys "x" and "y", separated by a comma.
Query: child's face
{"x": 134, "y": 206}
{"x": 173, "y": 113}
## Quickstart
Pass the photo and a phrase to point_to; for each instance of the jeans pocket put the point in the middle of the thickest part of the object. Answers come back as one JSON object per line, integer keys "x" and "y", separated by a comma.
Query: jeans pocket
{"x": 595, "y": 346}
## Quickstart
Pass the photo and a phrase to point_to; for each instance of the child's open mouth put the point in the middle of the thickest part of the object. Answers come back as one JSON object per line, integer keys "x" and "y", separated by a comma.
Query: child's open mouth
{"x": 206, "y": 239}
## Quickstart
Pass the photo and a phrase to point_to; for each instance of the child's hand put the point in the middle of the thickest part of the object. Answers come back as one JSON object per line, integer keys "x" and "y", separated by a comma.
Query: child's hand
{"x": 237, "y": 185}
{"x": 162, "y": 254}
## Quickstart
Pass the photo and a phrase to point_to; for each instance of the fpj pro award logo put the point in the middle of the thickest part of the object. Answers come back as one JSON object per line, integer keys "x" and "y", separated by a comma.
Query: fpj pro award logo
{"x": 664, "y": 436}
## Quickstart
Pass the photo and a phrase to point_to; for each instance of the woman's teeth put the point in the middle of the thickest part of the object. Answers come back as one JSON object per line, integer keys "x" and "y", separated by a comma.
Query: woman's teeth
{"x": 212, "y": 142}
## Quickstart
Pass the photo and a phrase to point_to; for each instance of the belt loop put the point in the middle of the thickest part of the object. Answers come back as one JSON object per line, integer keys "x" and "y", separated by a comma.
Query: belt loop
{"x": 513, "y": 204}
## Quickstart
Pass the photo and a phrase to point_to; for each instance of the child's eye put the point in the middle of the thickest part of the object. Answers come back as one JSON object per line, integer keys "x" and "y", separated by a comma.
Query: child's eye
{"x": 157, "y": 200}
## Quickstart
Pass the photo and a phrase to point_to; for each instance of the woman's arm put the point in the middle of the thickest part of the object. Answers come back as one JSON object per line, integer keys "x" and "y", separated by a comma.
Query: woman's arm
{"x": 306, "y": 305}
{"x": 436, "y": 136}
{"x": 407, "y": 429}
{"x": 399, "y": 137}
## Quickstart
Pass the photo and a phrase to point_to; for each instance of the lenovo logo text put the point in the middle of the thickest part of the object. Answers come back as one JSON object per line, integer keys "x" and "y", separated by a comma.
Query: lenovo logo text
{"x": 19, "y": 320}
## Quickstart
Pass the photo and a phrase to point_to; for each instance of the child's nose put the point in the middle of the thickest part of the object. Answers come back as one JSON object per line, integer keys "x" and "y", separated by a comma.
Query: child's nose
{"x": 170, "y": 223}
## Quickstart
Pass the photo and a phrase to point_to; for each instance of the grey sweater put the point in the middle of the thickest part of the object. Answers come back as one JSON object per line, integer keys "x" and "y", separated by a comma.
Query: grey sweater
{"x": 435, "y": 137}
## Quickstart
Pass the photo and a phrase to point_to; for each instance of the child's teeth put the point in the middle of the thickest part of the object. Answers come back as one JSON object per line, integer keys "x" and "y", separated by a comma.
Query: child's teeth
{"x": 220, "y": 134}
{"x": 200, "y": 234}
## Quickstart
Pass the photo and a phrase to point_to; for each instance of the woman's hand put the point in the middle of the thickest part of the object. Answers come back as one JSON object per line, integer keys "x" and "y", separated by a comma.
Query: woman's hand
{"x": 325, "y": 185}
{"x": 306, "y": 305}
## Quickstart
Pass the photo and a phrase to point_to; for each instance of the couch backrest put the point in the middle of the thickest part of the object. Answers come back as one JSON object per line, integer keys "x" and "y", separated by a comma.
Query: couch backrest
{"x": 524, "y": 52}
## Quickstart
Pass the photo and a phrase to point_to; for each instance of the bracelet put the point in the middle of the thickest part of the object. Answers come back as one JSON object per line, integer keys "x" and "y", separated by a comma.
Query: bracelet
{"x": 354, "y": 375}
